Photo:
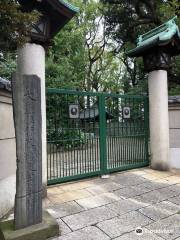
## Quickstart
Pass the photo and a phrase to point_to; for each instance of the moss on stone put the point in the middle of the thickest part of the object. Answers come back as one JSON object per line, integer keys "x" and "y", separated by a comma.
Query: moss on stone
{"x": 48, "y": 228}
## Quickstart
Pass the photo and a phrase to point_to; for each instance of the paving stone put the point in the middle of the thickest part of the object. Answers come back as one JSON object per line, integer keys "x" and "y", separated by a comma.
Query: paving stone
{"x": 129, "y": 179}
{"x": 138, "y": 172}
{"x": 162, "y": 174}
{"x": 175, "y": 188}
{"x": 123, "y": 224}
{"x": 127, "y": 197}
{"x": 54, "y": 190}
{"x": 97, "y": 201}
{"x": 167, "y": 228}
{"x": 63, "y": 228}
{"x": 146, "y": 235}
{"x": 153, "y": 185}
{"x": 160, "y": 210}
{"x": 128, "y": 192}
{"x": 89, "y": 233}
{"x": 166, "y": 193}
{"x": 124, "y": 206}
{"x": 175, "y": 200}
{"x": 69, "y": 196}
{"x": 173, "y": 179}
{"x": 75, "y": 186}
{"x": 150, "y": 177}
{"x": 103, "y": 188}
{"x": 155, "y": 196}
{"x": 89, "y": 217}
{"x": 64, "y": 209}
{"x": 99, "y": 180}
{"x": 148, "y": 169}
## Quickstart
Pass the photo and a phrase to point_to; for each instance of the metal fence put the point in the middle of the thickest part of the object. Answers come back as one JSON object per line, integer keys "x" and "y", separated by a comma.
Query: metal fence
{"x": 94, "y": 133}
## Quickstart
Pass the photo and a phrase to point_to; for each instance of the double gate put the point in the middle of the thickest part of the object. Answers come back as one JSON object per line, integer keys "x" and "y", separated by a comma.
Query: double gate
{"x": 92, "y": 134}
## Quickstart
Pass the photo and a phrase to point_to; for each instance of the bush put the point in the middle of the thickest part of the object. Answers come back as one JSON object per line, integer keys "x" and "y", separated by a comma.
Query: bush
{"x": 66, "y": 138}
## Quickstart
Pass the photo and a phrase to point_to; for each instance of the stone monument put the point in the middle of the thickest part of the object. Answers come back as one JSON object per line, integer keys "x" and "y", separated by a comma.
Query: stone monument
{"x": 55, "y": 14}
{"x": 28, "y": 125}
{"x": 30, "y": 222}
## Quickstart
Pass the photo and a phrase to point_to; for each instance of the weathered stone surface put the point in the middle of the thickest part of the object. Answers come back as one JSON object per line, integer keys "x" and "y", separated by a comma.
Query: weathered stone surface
{"x": 46, "y": 229}
{"x": 89, "y": 233}
{"x": 146, "y": 235}
{"x": 154, "y": 185}
{"x": 155, "y": 196}
{"x": 175, "y": 200}
{"x": 97, "y": 201}
{"x": 123, "y": 224}
{"x": 124, "y": 213}
{"x": 64, "y": 209}
{"x": 128, "y": 192}
{"x": 63, "y": 228}
{"x": 28, "y": 125}
{"x": 124, "y": 206}
{"x": 103, "y": 188}
{"x": 69, "y": 196}
{"x": 175, "y": 188}
{"x": 160, "y": 210}
{"x": 89, "y": 217}
{"x": 167, "y": 228}
{"x": 129, "y": 179}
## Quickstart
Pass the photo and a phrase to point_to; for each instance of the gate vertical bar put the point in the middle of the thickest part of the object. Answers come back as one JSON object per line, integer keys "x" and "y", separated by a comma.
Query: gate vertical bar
{"x": 146, "y": 119}
{"x": 102, "y": 123}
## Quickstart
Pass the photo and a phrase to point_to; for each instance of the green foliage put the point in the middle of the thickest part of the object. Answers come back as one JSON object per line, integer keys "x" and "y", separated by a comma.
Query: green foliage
{"x": 7, "y": 65}
{"x": 15, "y": 24}
{"x": 80, "y": 57}
{"x": 125, "y": 20}
{"x": 15, "y": 29}
{"x": 174, "y": 91}
{"x": 67, "y": 138}
{"x": 65, "y": 62}
{"x": 169, "y": 9}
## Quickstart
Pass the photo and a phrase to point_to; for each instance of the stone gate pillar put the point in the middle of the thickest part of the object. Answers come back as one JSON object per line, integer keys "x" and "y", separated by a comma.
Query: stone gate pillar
{"x": 158, "y": 119}
{"x": 157, "y": 47}
{"x": 29, "y": 108}
{"x": 31, "y": 61}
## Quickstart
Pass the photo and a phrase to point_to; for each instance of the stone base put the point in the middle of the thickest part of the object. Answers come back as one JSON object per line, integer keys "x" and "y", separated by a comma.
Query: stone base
{"x": 160, "y": 167}
{"x": 47, "y": 229}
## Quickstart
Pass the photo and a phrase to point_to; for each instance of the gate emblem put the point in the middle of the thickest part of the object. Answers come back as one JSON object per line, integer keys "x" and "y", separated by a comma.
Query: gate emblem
{"x": 126, "y": 112}
{"x": 74, "y": 111}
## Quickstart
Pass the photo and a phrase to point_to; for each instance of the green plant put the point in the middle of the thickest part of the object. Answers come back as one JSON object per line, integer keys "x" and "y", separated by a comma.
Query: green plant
{"x": 67, "y": 138}
{"x": 174, "y": 91}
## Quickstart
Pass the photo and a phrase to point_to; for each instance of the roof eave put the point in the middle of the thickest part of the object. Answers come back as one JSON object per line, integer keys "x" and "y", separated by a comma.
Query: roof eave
{"x": 69, "y": 6}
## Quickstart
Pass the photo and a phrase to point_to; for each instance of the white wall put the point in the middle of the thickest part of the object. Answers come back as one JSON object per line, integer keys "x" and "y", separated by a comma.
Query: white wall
{"x": 7, "y": 154}
{"x": 174, "y": 131}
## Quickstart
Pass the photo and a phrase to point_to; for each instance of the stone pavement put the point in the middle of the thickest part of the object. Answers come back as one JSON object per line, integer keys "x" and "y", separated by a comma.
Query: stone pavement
{"x": 136, "y": 204}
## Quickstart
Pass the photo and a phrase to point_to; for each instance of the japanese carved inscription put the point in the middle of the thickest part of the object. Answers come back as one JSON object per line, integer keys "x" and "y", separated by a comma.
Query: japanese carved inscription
{"x": 28, "y": 125}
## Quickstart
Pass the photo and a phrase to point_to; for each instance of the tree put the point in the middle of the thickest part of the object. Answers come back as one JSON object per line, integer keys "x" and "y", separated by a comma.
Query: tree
{"x": 81, "y": 55}
{"x": 66, "y": 58}
{"x": 126, "y": 20}
{"x": 15, "y": 30}
{"x": 7, "y": 65}
{"x": 15, "y": 24}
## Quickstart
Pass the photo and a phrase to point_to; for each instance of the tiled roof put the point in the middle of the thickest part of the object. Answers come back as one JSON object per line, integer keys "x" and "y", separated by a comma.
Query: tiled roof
{"x": 93, "y": 113}
{"x": 70, "y": 6}
{"x": 160, "y": 36}
{"x": 5, "y": 84}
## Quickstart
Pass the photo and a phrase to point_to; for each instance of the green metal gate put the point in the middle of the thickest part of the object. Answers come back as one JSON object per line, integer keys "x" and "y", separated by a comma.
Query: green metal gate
{"x": 92, "y": 134}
